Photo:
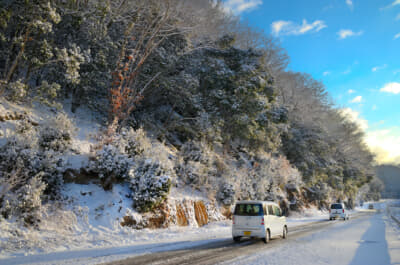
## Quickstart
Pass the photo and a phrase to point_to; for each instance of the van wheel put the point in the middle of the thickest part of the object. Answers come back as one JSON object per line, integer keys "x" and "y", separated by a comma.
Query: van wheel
{"x": 267, "y": 237}
{"x": 284, "y": 234}
{"x": 236, "y": 238}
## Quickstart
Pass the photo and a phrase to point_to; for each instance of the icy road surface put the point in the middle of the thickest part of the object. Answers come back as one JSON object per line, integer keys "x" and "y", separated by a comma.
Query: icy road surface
{"x": 369, "y": 237}
{"x": 372, "y": 239}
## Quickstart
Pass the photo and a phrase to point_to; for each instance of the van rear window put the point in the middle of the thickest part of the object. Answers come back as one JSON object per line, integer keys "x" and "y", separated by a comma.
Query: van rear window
{"x": 336, "y": 206}
{"x": 249, "y": 209}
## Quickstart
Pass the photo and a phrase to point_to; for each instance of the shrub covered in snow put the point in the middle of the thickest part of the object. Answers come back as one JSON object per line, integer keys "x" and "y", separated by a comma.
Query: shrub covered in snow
{"x": 31, "y": 167}
{"x": 150, "y": 184}
{"x": 57, "y": 133}
{"x": 145, "y": 163}
{"x": 114, "y": 160}
{"x": 30, "y": 199}
{"x": 226, "y": 194}
{"x": 196, "y": 166}
{"x": 17, "y": 90}
{"x": 135, "y": 142}
{"x": 20, "y": 167}
{"x": 111, "y": 163}
{"x": 51, "y": 138}
{"x": 22, "y": 196}
{"x": 153, "y": 171}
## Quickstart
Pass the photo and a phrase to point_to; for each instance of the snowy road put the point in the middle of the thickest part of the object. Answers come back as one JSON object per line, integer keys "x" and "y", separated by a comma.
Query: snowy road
{"x": 368, "y": 238}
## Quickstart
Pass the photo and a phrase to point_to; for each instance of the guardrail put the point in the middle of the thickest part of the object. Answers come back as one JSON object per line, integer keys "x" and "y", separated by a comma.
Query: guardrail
{"x": 390, "y": 212}
{"x": 395, "y": 219}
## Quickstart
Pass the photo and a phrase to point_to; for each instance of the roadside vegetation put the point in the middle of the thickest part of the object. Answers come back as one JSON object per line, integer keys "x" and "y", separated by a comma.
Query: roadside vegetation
{"x": 188, "y": 95}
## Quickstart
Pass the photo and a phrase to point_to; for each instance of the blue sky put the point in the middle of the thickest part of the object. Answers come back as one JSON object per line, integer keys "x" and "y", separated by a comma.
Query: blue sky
{"x": 352, "y": 46}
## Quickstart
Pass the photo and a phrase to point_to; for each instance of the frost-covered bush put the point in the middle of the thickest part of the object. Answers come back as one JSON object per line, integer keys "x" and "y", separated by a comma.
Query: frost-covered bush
{"x": 23, "y": 127}
{"x": 124, "y": 159}
{"x": 196, "y": 166}
{"x": 51, "y": 165}
{"x": 136, "y": 143}
{"x": 57, "y": 133}
{"x": 72, "y": 59}
{"x": 47, "y": 93}
{"x": 18, "y": 154}
{"x": 150, "y": 184}
{"x": 111, "y": 163}
{"x": 17, "y": 90}
{"x": 23, "y": 198}
{"x": 30, "y": 199}
{"x": 21, "y": 161}
{"x": 152, "y": 169}
{"x": 196, "y": 151}
{"x": 226, "y": 194}
{"x": 28, "y": 174}
{"x": 53, "y": 139}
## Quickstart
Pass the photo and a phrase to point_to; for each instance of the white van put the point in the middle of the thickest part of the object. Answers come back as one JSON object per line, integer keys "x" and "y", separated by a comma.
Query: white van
{"x": 337, "y": 210}
{"x": 258, "y": 219}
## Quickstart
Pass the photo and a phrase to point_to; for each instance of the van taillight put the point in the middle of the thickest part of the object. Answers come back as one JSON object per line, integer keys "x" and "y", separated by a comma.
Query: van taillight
{"x": 343, "y": 210}
{"x": 262, "y": 221}
{"x": 329, "y": 210}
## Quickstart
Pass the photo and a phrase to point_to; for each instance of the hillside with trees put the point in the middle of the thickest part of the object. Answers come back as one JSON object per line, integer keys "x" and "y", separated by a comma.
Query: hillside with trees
{"x": 186, "y": 95}
{"x": 390, "y": 176}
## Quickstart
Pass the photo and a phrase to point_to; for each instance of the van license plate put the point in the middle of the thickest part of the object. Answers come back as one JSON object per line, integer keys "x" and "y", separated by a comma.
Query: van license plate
{"x": 247, "y": 233}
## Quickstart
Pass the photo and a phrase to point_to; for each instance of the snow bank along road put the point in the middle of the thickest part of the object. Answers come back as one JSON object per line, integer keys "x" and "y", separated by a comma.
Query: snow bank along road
{"x": 363, "y": 240}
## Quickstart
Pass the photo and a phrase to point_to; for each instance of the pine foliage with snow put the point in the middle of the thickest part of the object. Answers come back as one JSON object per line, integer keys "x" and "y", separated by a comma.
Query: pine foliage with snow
{"x": 187, "y": 98}
{"x": 150, "y": 184}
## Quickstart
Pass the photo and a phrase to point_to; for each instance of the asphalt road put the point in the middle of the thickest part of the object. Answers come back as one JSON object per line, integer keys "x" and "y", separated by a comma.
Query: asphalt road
{"x": 226, "y": 250}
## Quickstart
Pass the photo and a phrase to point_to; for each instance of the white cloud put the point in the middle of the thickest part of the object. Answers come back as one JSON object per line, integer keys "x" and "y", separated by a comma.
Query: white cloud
{"x": 345, "y": 33}
{"x": 278, "y": 26}
{"x": 397, "y": 36}
{"x": 282, "y": 27}
{"x": 395, "y": 3}
{"x": 350, "y": 4}
{"x": 326, "y": 73}
{"x": 385, "y": 144}
{"x": 351, "y": 91}
{"x": 240, "y": 6}
{"x": 398, "y": 16}
{"x": 374, "y": 107}
{"x": 391, "y": 88}
{"x": 355, "y": 117}
{"x": 357, "y": 99}
{"x": 326, "y": 8}
{"x": 395, "y": 72}
{"x": 377, "y": 68}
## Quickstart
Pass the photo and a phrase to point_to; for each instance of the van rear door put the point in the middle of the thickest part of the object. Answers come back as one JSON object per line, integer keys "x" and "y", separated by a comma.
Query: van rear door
{"x": 248, "y": 216}
{"x": 337, "y": 209}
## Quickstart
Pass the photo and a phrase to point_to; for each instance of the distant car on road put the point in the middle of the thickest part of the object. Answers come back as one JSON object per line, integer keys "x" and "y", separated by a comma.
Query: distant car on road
{"x": 259, "y": 219}
{"x": 337, "y": 210}
{"x": 370, "y": 206}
